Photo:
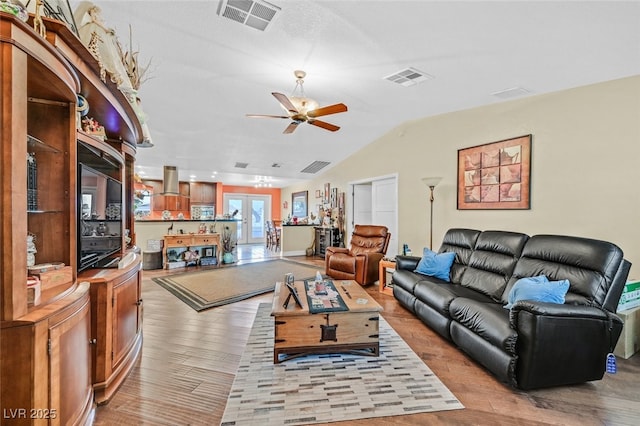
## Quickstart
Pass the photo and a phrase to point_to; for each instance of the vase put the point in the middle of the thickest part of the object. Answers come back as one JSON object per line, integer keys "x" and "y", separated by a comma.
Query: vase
{"x": 228, "y": 258}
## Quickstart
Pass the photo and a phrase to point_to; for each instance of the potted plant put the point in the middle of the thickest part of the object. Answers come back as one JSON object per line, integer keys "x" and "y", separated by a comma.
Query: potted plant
{"x": 228, "y": 241}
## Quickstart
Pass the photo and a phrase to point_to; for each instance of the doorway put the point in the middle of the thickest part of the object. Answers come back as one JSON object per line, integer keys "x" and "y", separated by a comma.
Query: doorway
{"x": 253, "y": 211}
{"x": 375, "y": 201}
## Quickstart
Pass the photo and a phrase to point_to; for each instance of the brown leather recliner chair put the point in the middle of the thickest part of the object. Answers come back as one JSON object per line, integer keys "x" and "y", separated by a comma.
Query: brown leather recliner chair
{"x": 360, "y": 262}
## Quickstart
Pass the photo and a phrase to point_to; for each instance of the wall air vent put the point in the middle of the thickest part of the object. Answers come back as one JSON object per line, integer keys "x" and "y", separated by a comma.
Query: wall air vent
{"x": 315, "y": 167}
{"x": 254, "y": 14}
{"x": 241, "y": 165}
{"x": 408, "y": 77}
{"x": 512, "y": 92}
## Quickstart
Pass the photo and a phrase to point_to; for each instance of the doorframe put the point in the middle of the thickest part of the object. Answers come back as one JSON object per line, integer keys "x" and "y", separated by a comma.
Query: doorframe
{"x": 391, "y": 252}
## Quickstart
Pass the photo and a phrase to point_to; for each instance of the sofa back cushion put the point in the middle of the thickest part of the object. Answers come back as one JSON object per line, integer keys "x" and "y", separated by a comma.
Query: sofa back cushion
{"x": 461, "y": 241}
{"x": 589, "y": 265}
{"x": 492, "y": 262}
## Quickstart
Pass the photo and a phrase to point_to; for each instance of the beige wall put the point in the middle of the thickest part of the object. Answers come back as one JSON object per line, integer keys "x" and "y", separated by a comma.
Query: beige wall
{"x": 585, "y": 155}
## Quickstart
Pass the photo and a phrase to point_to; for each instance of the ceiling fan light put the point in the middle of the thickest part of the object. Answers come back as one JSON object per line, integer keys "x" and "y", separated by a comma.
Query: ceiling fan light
{"x": 304, "y": 104}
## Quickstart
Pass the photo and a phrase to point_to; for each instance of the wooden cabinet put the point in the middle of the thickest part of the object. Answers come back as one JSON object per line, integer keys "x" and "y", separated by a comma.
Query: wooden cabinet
{"x": 175, "y": 203}
{"x": 38, "y": 113}
{"x": 202, "y": 193}
{"x": 190, "y": 193}
{"x": 116, "y": 326}
{"x": 45, "y": 366}
{"x": 46, "y": 363}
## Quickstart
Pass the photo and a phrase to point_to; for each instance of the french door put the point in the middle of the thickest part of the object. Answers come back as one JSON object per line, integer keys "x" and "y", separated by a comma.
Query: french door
{"x": 253, "y": 211}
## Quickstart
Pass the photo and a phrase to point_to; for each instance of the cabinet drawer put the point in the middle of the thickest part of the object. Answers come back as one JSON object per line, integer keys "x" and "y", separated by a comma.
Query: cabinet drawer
{"x": 177, "y": 240}
{"x": 206, "y": 241}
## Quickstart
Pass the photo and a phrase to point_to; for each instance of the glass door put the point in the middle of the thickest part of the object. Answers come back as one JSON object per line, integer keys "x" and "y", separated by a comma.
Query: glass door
{"x": 253, "y": 211}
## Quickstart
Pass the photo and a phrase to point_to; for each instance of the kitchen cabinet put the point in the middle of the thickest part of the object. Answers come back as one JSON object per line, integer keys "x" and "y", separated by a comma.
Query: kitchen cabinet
{"x": 202, "y": 193}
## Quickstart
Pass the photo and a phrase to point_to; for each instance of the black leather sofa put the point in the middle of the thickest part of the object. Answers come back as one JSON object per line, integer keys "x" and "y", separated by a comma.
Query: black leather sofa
{"x": 533, "y": 344}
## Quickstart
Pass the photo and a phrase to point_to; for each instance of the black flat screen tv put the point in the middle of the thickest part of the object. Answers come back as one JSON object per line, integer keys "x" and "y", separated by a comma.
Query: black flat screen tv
{"x": 99, "y": 210}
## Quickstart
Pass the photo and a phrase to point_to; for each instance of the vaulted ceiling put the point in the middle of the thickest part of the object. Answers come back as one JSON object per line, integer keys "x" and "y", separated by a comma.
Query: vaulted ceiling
{"x": 208, "y": 71}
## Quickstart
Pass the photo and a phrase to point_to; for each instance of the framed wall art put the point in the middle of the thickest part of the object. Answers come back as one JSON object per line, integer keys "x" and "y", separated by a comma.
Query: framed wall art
{"x": 334, "y": 198}
{"x": 299, "y": 204}
{"x": 496, "y": 175}
{"x": 325, "y": 197}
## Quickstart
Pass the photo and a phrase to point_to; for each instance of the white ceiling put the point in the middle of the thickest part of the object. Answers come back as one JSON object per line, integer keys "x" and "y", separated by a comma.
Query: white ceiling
{"x": 207, "y": 71}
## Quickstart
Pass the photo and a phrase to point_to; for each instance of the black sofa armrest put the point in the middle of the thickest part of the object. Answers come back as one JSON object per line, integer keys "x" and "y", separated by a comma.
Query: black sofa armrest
{"x": 559, "y": 311}
{"x": 409, "y": 263}
{"x": 562, "y": 344}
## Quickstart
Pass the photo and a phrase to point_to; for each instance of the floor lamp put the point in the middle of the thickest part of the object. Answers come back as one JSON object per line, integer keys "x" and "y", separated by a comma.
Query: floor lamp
{"x": 431, "y": 182}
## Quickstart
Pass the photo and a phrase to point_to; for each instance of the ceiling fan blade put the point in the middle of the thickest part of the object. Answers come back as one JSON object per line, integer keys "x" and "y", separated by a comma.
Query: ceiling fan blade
{"x": 285, "y": 102}
{"x": 331, "y": 109}
{"x": 324, "y": 125}
{"x": 291, "y": 127}
{"x": 267, "y": 116}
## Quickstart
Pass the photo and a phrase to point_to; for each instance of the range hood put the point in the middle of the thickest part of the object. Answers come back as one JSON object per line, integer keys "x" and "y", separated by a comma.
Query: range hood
{"x": 170, "y": 183}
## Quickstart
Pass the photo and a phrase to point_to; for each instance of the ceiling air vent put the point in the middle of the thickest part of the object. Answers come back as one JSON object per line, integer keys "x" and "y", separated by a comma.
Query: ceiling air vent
{"x": 513, "y": 92}
{"x": 241, "y": 165}
{"x": 315, "y": 167}
{"x": 408, "y": 77}
{"x": 254, "y": 14}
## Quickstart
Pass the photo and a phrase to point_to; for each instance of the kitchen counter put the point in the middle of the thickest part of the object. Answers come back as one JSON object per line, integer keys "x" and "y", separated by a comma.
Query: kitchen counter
{"x": 295, "y": 239}
{"x": 156, "y": 229}
{"x": 168, "y": 222}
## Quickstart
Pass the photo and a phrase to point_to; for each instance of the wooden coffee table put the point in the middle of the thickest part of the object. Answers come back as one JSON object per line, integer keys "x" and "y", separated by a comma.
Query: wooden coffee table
{"x": 298, "y": 332}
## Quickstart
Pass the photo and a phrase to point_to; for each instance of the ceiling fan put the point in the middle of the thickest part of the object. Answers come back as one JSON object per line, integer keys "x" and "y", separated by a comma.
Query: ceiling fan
{"x": 301, "y": 109}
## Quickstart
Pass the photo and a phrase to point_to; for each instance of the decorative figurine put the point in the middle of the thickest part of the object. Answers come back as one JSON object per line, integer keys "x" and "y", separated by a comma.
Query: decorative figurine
{"x": 38, "y": 25}
{"x": 31, "y": 250}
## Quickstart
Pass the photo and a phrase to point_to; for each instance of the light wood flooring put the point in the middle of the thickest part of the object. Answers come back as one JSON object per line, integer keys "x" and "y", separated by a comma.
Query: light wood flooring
{"x": 189, "y": 359}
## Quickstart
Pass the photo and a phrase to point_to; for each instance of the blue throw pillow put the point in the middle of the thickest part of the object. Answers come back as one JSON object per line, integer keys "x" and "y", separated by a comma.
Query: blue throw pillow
{"x": 436, "y": 265}
{"x": 538, "y": 289}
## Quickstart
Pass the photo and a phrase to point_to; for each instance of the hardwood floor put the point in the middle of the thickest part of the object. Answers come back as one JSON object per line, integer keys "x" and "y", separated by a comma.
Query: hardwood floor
{"x": 189, "y": 360}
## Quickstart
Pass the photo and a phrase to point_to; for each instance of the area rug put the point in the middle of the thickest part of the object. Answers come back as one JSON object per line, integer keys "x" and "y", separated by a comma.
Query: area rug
{"x": 330, "y": 388}
{"x": 216, "y": 287}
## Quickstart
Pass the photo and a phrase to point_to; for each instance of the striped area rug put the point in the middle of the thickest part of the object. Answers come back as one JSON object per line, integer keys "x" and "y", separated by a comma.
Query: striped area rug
{"x": 330, "y": 388}
{"x": 219, "y": 286}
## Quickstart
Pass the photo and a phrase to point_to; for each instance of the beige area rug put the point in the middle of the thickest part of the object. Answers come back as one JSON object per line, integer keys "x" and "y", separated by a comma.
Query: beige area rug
{"x": 330, "y": 388}
{"x": 216, "y": 287}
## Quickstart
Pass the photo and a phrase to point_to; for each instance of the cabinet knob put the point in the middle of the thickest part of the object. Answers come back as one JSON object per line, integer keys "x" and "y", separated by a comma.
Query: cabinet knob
{"x": 93, "y": 341}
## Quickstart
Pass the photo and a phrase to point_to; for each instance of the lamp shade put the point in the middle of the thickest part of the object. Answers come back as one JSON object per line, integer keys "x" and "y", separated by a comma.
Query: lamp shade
{"x": 431, "y": 181}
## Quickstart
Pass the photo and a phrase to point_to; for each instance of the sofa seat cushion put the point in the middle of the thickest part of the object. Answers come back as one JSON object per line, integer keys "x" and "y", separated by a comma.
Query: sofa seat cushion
{"x": 406, "y": 280}
{"x": 439, "y": 294}
{"x": 488, "y": 320}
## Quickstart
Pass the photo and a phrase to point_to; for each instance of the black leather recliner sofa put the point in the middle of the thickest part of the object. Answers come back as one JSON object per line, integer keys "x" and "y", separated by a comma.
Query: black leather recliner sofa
{"x": 533, "y": 344}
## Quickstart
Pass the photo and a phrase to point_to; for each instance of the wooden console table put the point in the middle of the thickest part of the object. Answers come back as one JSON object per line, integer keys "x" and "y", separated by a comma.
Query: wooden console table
{"x": 191, "y": 240}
